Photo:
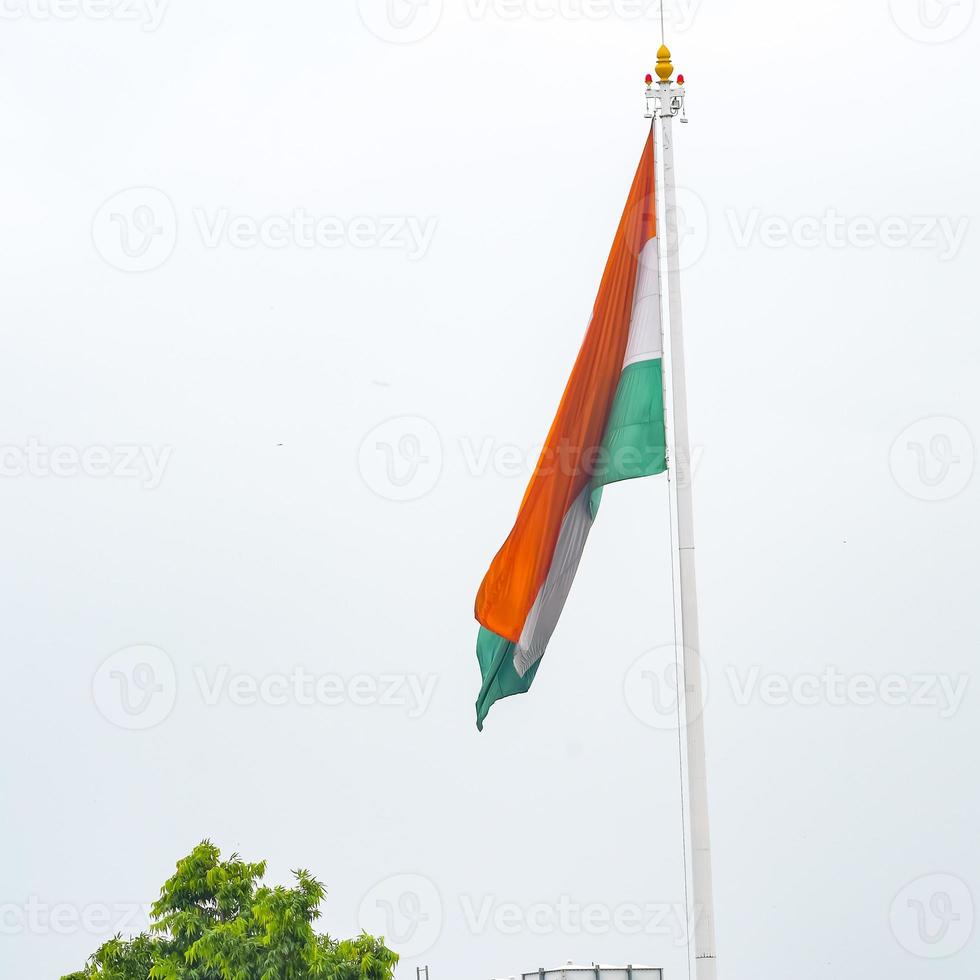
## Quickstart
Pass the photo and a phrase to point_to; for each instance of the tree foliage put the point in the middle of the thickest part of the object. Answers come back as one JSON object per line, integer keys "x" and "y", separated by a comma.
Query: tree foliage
{"x": 215, "y": 920}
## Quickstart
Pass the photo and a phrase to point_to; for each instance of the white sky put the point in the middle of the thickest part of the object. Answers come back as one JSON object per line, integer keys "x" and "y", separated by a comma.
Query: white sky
{"x": 830, "y": 195}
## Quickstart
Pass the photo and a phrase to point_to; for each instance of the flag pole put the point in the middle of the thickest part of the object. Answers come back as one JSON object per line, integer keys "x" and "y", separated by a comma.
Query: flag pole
{"x": 668, "y": 99}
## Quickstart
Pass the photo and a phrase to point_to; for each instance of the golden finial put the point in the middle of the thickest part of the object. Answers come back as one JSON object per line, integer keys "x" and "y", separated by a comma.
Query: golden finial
{"x": 664, "y": 68}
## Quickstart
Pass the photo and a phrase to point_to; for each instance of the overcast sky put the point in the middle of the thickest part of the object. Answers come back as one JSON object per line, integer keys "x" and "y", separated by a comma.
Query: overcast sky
{"x": 289, "y": 296}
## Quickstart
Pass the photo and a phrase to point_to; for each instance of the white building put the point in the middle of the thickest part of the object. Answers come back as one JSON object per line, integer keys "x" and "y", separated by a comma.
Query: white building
{"x": 597, "y": 971}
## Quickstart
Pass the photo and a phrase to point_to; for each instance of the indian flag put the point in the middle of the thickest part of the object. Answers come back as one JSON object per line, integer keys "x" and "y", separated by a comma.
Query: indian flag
{"x": 609, "y": 427}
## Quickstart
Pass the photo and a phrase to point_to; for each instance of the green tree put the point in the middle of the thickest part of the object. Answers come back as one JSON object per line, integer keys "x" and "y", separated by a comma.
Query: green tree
{"x": 215, "y": 920}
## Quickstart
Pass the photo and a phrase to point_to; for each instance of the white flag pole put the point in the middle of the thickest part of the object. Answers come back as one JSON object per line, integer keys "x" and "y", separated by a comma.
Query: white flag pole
{"x": 669, "y": 102}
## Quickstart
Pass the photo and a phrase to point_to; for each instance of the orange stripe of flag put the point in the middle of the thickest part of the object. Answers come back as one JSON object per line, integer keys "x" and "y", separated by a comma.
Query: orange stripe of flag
{"x": 564, "y": 467}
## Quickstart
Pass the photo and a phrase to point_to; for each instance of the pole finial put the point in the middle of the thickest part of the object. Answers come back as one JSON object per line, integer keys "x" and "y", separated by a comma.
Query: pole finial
{"x": 664, "y": 68}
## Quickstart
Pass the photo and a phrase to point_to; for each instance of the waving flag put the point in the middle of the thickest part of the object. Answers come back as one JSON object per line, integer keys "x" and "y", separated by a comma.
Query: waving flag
{"x": 609, "y": 427}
